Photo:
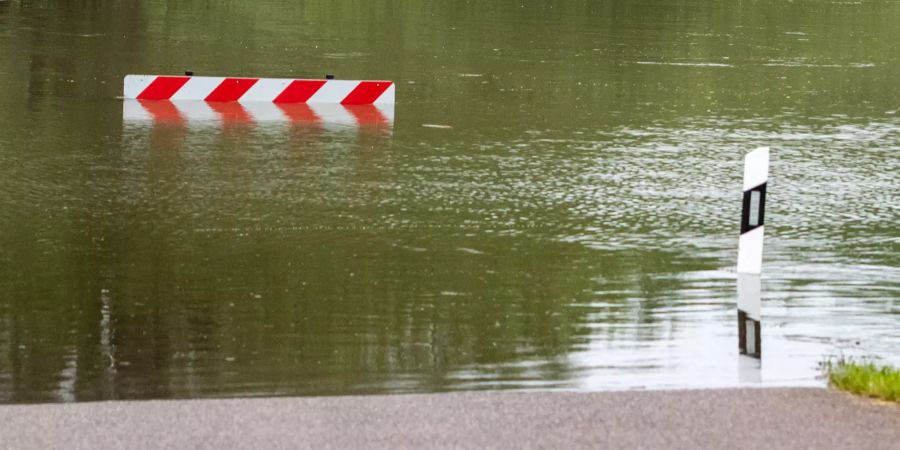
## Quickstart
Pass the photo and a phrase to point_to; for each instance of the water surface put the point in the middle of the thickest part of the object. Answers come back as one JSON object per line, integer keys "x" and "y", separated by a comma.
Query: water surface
{"x": 554, "y": 205}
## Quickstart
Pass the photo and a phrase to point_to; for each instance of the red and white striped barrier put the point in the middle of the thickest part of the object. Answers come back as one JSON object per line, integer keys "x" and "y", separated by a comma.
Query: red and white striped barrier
{"x": 247, "y": 90}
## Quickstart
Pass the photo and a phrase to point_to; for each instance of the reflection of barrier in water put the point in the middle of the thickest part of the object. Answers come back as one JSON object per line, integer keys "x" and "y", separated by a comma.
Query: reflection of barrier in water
{"x": 193, "y": 112}
{"x": 750, "y": 247}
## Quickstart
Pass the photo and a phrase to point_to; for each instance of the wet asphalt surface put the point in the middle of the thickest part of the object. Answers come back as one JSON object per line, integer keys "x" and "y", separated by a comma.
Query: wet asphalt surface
{"x": 732, "y": 419}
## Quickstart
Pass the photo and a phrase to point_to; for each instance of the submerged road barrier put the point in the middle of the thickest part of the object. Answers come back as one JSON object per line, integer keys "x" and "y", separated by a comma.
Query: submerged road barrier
{"x": 246, "y": 90}
{"x": 750, "y": 248}
{"x": 192, "y": 100}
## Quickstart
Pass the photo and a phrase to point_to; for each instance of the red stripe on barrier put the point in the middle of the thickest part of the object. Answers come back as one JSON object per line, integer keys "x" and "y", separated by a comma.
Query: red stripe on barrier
{"x": 299, "y": 91}
{"x": 366, "y": 93}
{"x": 162, "y": 88}
{"x": 231, "y": 89}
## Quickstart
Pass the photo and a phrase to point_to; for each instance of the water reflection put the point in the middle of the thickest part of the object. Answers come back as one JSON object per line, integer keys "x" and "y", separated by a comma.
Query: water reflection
{"x": 259, "y": 114}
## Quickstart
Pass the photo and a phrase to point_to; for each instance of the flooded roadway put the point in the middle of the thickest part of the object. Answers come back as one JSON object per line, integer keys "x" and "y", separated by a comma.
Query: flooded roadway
{"x": 553, "y": 203}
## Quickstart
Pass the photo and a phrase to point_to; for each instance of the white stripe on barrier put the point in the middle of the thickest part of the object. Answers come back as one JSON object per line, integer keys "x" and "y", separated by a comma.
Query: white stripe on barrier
{"x": 333, "y": 91}
{"x": 135, "y": 84}
{"x": 387, "y": 97}
{"x": 197, "y": 88}
{"x": 265, "y": 90}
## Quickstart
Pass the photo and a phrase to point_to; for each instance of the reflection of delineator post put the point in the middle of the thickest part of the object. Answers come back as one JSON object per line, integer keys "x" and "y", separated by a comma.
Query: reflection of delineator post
{"x": 750, "y": 247}
{"x": 749, "y": 339}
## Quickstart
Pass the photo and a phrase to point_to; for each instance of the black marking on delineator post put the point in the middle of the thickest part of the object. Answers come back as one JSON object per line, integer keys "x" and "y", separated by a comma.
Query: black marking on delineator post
{"x": 750, "y": 247}
{"x": 753, "y": 214}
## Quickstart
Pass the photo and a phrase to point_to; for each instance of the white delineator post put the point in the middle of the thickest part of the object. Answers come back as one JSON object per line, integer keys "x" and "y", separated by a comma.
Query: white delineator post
{"x": 750, "y": 248}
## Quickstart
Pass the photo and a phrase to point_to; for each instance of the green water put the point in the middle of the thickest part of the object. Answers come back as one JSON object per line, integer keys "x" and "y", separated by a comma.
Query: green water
{"x": 555, "y": 205}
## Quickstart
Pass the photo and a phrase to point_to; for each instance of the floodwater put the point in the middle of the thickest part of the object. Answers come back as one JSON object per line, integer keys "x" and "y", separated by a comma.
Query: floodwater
{"x": 552, "y": 204}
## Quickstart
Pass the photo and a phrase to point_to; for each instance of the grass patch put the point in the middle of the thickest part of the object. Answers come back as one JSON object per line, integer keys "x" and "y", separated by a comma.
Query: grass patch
{"x": 865, "y": 378}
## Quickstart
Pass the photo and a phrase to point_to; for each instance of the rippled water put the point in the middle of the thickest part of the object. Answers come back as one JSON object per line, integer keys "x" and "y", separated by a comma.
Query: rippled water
{"x": 554, "y": 204}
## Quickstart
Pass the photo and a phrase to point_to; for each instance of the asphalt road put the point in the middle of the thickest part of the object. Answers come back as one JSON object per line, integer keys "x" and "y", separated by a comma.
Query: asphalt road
{"x": 726, "y": 419}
